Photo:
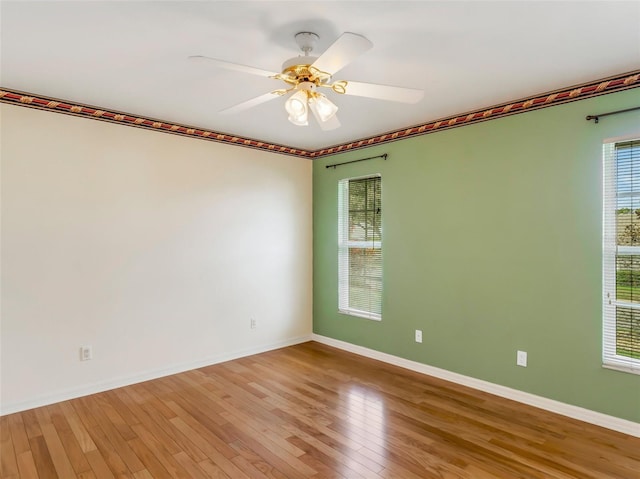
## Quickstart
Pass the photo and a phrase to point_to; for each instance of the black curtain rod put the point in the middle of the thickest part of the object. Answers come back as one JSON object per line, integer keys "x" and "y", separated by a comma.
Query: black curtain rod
{"x": 597, "y": 117}
{"x": 355, "y": 161}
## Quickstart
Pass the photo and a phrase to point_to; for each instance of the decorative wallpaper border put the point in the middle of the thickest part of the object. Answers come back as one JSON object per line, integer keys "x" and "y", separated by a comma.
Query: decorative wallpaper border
{"x": 77, "y": 109}
{"x": 580, "y": 92}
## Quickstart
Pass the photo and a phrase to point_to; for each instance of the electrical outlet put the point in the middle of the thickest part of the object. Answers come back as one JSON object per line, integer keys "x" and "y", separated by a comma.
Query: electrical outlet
{"x": 418, "y": 336}
{"x": 86, "y": 353}
{"x": 521, "y": 359}
{"x": 253, "y": 323}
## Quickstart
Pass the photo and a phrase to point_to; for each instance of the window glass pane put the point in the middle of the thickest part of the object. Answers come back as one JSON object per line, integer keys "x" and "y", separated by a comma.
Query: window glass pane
{"x": 628, "y": 332}
{"x": 360, "y": 247}
{"x": 628, "y": 221}
{"x": 627, "y": 157}
{"x": 621, "y": 263}
{"x": 364, "y": 226}
{"x": 357, "y": 226}
{"x": 365, "y": 209}
{"x": 368, "y": 225}
{"x": 365, "y": 278}
{"x": 628, "y": 278}
{"x": 376, "y": 226}
{"x": 373, "y": 194}
{"x": 628, "y": 168}
{"x": 357, "y": 195}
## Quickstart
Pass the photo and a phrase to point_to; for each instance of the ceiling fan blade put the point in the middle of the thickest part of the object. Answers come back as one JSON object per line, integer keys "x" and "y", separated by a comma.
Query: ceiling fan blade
{"x": 384, "y": 92}
{"x": 245, "y": 105}
{"x": 232, "y": 66}
{"x": 331, "y": 124}
{"x": 343, "y": 51}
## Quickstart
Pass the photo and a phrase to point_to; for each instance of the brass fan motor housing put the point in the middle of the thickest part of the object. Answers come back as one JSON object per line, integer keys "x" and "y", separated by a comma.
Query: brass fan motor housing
{"x": 295, "y": 74}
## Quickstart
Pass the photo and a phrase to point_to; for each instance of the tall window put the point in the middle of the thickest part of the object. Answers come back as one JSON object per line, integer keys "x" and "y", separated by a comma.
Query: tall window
{"x": 621, "y": 256}
{"x": 360, "y": 247}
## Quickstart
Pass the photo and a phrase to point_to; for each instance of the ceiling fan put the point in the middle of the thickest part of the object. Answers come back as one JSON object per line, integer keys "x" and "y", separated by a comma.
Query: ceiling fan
{"x": 305, "y": 75}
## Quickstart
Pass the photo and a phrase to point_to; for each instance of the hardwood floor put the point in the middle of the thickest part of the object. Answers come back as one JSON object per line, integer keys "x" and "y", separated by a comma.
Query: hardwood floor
{"x": 307, "y": 411}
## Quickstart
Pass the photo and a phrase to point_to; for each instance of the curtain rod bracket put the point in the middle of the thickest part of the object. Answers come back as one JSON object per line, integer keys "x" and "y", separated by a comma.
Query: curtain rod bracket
{"x": 596, "y": 118}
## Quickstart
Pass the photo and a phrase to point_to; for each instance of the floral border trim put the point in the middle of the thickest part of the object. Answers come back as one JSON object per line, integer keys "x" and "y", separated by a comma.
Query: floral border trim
{"x": 587, "y": 90}
{"x": 601, "y": 87}
{"x": 77, "y": 109}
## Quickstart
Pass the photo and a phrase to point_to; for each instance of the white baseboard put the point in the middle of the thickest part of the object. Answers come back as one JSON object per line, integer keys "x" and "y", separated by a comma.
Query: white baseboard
{"x": 575, "y": 412}
{"x": 101, "y": 386}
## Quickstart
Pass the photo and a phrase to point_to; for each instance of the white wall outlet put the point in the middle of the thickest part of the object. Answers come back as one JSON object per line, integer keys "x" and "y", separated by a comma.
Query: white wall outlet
{"x": 418, "y": 336}
{"x": 253, "y": 323}
{"x": 521, "y": 359}
{"x": 86, "y": 353}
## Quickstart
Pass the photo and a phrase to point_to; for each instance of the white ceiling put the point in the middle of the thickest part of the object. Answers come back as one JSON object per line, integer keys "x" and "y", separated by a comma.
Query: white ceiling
{"x": 132, "y": 57}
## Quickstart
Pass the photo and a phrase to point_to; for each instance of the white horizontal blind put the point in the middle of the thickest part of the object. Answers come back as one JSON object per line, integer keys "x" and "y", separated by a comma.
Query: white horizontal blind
{"x": 360, "y": 247}
{"x": 621, "y": 256}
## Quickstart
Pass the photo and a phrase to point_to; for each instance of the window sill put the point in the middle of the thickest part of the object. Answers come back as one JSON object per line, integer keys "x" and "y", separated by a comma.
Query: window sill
{"x": 361, "y": 314}
{"x": 635, "y": 369}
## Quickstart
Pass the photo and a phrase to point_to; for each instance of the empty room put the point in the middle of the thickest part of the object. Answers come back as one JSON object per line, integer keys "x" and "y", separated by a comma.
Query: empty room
{"x": 320, "y": 239}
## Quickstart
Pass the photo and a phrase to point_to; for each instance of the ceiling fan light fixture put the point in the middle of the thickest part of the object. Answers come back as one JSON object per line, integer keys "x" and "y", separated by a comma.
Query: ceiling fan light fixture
{"x": 299, "y": 121}
{"x": 324, "y": 107}
{"x": 297, "y": 107}
{"x": 304, "y": 74}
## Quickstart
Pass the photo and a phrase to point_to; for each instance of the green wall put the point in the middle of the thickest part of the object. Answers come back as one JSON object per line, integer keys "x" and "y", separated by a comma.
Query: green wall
{"x": 492, "y": 243}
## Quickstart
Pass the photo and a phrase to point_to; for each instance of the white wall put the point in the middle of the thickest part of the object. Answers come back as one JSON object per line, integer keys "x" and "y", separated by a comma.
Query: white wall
{"x": 154, "y": 249}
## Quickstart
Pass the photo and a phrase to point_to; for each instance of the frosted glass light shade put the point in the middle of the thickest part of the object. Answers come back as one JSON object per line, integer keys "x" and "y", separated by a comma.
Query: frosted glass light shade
{"x": 325, "y": 108}
{"x": 297, "y": 108}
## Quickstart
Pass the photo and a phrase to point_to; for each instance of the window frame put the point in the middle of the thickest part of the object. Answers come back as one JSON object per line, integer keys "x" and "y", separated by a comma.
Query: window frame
{"x": 345, "y": 244}
{"x": 610, "y": 252}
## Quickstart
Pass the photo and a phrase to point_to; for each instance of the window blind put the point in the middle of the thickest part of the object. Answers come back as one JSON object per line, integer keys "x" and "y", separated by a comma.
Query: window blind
{"x": 360, "y": 247}
{"x": 621, "y": 256}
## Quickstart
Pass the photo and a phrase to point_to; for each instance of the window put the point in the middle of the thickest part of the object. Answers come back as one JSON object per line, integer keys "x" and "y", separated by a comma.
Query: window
{"x": 360, "y": 247}
{"x": 621, "y": 256}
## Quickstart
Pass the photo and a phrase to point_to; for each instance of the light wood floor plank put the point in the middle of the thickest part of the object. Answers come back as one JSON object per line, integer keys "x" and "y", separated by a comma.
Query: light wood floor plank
{"x": 270, "y": 452}
{"x": 79, "y": 431}
{"x": 71, "y": 446}
{"x": 189, "y": 466}
{"x": 144, "y": 474}
{"x": 18, "y": 433}
{"x": 31, "y": 425}
{"x": 328, "y": 459}
{"x": 26, "y": 465}
{"x": 306, "y": 412}
{"x": 98, "y": 464}
{"x": 155, "y": 421}
{"x": 106, "y": 451}
{"x": 146, "y": 456}
{"x": 58, "y": 454}
{"x": 8, "y": 462}
{"x": 161, "y": 453}
{"x": 202, "y": 439}
{"x": 110, "y": 439}
{"x": 42, "y": 458}
{"x": 212, "y": 471}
